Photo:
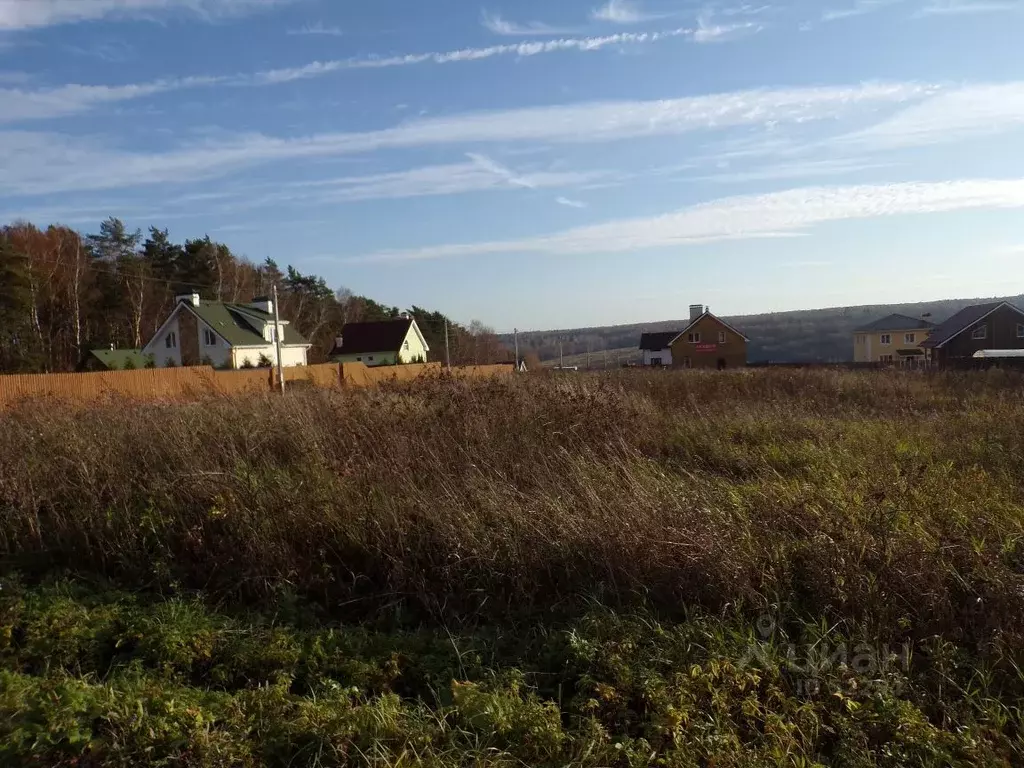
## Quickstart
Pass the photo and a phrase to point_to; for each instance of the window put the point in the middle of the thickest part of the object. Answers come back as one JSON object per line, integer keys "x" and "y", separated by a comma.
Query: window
{"x": 1020, "y": 331}
{"x": 981, "y": 332}
{"x": 359, "y": 359}
{"x": 721, "y": 337}
{"x": 656, "y": 361}
{"x": 860, "y": 339}
{"x": 405, "y": 346}
{"x": 886, "y": 339}
{"x": 209, "y": 338}
{"x": 271, "y": 334}
{"x": 694, "y": 338}
{"x": 370, "y": 358}
{"x": 885, "y": 359}
{"x": 910, "y": 338}
{"x": 172, "y": 340}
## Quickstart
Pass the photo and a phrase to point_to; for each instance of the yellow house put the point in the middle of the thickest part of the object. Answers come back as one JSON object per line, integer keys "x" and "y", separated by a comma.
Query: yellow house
{"x": 895, "y": 340}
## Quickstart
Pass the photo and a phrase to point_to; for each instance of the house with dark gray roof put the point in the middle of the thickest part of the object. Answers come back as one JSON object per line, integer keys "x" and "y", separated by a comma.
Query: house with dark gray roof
{"x": 893, "y": 340}
{"x": 225, "y": 335}
{"x": 385, "y": 342}
{"x": 991, "y": 327}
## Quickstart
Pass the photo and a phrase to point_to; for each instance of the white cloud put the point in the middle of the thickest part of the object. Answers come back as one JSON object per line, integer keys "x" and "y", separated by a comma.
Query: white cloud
{"x": 31, "y": 14}
{"x": 1010, "y": 251}
{"x": 316, "y": 29}
{"x": 40, "y": 163}
{"x": 622, "y": 12}
{"x": 860, "y": 8}
{"x": 965, "y": 7}
{"x": 570, "y": 203}
{"x": 950, "y": 115}
{"x": 794, "y": 171}
{"x": 522, "y": 50}
{"x": 709, "y": 32}
{"x": 72, "y": 99}
{"x": 493, "y": 22}
{"x": 777, "y": 214}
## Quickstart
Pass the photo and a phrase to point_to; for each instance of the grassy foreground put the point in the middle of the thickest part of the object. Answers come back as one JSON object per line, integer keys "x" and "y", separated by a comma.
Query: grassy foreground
{"x": 755, "y": 568}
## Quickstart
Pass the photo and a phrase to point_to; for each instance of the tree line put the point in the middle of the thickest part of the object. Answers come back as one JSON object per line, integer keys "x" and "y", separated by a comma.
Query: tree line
{"x": 63, "y": 293}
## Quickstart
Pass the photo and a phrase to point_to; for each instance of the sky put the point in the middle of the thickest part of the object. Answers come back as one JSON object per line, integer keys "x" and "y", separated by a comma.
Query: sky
{"x": 534, "y": 164}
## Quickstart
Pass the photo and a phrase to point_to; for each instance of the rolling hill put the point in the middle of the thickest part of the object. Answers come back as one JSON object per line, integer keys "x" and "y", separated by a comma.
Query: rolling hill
{"x": 814, "y": 335}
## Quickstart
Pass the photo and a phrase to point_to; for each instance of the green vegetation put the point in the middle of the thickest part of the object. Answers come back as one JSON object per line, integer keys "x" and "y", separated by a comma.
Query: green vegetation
{"x": 63, "y": 293}
{"x": 756, "y": 568}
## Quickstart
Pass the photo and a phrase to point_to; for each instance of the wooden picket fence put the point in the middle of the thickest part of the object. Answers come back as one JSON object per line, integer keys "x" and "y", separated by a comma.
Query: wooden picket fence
{"x": 194, "y": 382}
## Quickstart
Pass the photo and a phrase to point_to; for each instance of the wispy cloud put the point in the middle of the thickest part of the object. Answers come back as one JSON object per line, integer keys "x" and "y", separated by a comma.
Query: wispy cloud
{"x": 709, "y": 32}
{"x": 747, "y": 217}
{"x": 485, "y": 163}
{"x": 859, "y": 8}
{"x": 112, "y": 52}
{"x": 521, "y": 50}
{"x": 33, "y": 14}
{"x": 20, "y": 104}
{"x": 317, "y": 29}
{"x": 38, "y": 163}
{"x": 569, "y": 203}
{"x": 501, "y": 26}
{"x": 952, "y": 115}
{"x": 622, "y": 12}
{"x": 966, "y": 7}
{"x": 794, "y": 170}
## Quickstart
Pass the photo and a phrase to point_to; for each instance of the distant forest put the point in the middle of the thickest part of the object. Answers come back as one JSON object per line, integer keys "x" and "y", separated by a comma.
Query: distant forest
{"x": 816, "y": 335}
{"x": 63, "y": 293}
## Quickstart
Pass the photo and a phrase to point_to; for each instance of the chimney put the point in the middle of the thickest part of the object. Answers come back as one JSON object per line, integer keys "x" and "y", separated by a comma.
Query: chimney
{"x": 338, "y": 342}
{"x": 696, "y": 310}
{"x": 188, "y": 298}
{"x": 263, "y": 303}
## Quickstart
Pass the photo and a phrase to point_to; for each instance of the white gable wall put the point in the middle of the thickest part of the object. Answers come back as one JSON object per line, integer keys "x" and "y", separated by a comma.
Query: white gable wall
{"x": 413, "y": 347}
{"x": 219, "y": 354}
{"x": 163, "y": 356}
{"x": 665, "y": 355}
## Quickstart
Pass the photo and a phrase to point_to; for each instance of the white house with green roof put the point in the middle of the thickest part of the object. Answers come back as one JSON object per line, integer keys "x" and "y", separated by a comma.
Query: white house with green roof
{"x": 224, "y": 335}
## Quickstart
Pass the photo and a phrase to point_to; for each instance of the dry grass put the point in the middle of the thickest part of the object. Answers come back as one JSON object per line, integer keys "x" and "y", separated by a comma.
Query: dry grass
{"x": 613, "y": 538}
{"x": 892, "y": 500}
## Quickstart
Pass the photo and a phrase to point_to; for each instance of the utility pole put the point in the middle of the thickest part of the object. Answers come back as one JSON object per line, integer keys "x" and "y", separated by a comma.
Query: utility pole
{"x": 447, "y": 354}
{"x": 561, "y": 365}
{"x": 606, "y": 359}
{"x": 277, "y": 341}
{"x": 588, "y": 355}
{"x": 515, "y": 335}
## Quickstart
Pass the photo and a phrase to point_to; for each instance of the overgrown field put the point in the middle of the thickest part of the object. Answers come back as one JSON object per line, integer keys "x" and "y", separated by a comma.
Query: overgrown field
{"x": 632, "y": 569}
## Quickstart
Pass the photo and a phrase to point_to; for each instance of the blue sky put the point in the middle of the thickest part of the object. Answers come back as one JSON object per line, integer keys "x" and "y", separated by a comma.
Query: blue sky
{"x": 539, "y": 164}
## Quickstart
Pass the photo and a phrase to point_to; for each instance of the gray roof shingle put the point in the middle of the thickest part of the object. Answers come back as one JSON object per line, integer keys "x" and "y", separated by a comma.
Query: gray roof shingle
{"x": 380, "y": 336}
{"x": 655, "y": 342}
{"x": 895, "y": 322}
{"x": 961, "y": 321}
